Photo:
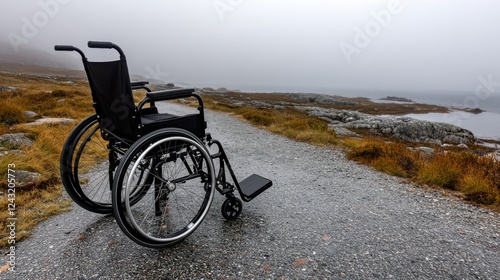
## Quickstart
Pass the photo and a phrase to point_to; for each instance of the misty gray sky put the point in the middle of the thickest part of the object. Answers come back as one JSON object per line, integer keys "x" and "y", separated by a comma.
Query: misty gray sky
{"x": 377, "y": 44}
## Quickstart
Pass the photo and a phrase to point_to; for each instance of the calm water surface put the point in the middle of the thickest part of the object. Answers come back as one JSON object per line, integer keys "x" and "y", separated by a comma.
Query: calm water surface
{"x": 484, "y": 125}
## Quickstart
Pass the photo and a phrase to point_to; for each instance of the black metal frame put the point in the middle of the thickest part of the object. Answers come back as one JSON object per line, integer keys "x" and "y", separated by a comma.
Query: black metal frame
{"x": 222, "y": 185}
{"x": 117, "y": 143}
{"x": 138, "y": 127}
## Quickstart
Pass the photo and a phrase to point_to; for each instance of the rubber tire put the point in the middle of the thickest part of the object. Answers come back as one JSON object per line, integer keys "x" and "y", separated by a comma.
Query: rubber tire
{"x": 122, "y": 210}
{"x": 70, "y": 161}
{"x": 231, "y": 208}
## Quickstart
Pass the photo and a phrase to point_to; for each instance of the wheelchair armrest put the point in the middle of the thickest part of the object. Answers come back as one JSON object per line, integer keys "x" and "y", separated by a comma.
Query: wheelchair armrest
{"x": 138, "y": 84}
{"x": 173, "y": 94}
{"x": 170, "y": 94}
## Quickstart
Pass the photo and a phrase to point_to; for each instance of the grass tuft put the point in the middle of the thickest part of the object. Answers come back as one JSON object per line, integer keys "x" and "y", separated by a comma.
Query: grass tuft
{"x": 11, "y": 113}
{"x": 440, "y": 172}
{"x": 392, "y": 158}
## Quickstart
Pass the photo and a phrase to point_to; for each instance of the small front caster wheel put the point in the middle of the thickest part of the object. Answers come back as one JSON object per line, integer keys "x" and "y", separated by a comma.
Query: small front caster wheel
{"x": 231, "y": 208}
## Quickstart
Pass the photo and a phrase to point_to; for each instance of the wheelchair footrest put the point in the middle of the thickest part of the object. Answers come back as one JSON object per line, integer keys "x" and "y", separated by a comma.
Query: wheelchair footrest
{"x": 253, "y": 186}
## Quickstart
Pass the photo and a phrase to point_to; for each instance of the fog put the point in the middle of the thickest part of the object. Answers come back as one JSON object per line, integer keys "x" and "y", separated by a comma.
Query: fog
{"x": 404, "y": 45}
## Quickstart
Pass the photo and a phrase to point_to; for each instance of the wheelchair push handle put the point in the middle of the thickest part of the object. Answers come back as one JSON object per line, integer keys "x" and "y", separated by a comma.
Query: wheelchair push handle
{"x": 64, "y": 48}
{"x": 100, "y": 45}
{"x": 105, "y": 45}
{"x": 68, "y": 48}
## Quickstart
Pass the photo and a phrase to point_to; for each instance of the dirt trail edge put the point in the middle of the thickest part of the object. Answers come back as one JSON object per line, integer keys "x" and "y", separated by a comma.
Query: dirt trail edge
{"x": 325, "y": 217}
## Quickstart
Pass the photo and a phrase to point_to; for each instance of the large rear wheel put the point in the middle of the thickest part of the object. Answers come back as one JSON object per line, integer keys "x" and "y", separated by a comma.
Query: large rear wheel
{"x": 173, "y": 172}
{"x": 86, "y": 164}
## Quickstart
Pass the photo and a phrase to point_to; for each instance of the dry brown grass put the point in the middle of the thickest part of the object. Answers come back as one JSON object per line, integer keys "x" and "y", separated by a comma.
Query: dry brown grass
{"x": 476, "y": 177}
{"x": 289, "y": 122}
{"x": 395, "y": 159}
{"x": 50, "y": 98}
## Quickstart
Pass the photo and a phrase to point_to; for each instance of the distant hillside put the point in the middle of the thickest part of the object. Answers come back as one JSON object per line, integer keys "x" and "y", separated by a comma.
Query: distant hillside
{"x": 34, "y": 57}
{"x": 45, "y": 63}
{"x": 45, "y": 71}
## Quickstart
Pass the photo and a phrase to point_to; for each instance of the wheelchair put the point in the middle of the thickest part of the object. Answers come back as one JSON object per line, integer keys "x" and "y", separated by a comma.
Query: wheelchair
{"x": 154, "y": 171}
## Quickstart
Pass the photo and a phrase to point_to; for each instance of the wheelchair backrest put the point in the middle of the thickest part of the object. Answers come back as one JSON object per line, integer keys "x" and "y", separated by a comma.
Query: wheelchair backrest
{"x": 119, "y": 118}
{"x": 112, "y": 96}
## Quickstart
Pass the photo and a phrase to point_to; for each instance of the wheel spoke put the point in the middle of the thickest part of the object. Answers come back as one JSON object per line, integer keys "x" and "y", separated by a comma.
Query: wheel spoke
{"x": 178, "y": 201}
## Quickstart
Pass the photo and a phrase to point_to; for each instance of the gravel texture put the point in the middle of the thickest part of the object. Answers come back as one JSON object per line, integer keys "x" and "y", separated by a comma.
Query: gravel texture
{"x": 324, "y": 218}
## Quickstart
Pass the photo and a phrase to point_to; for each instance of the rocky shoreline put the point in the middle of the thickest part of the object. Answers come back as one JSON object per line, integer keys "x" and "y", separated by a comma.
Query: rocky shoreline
{"x": 403, "y": 128}
{"x": 347, "y": 115}
{"x": 396, "y": 98}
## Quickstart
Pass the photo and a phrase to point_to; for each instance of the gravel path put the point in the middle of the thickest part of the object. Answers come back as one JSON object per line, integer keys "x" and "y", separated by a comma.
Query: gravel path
{"x": 325, "y": 217}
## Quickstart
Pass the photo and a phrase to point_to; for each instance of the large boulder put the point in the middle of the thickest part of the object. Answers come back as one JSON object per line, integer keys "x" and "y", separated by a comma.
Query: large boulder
{"x": 9, "y": 152}
{"x": 30, "y": 114}
{"x": 25, "y": 178}
{"x": 16, "y": 140}
{"x": 43, "y": 121}
{"x": 403, "y": 128}
{"x": 7, "y": 88}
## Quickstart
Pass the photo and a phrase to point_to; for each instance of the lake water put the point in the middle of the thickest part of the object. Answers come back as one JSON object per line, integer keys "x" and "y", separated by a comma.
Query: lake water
{"x": 490, "y": 103}
{"x": 484, "y": 125}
